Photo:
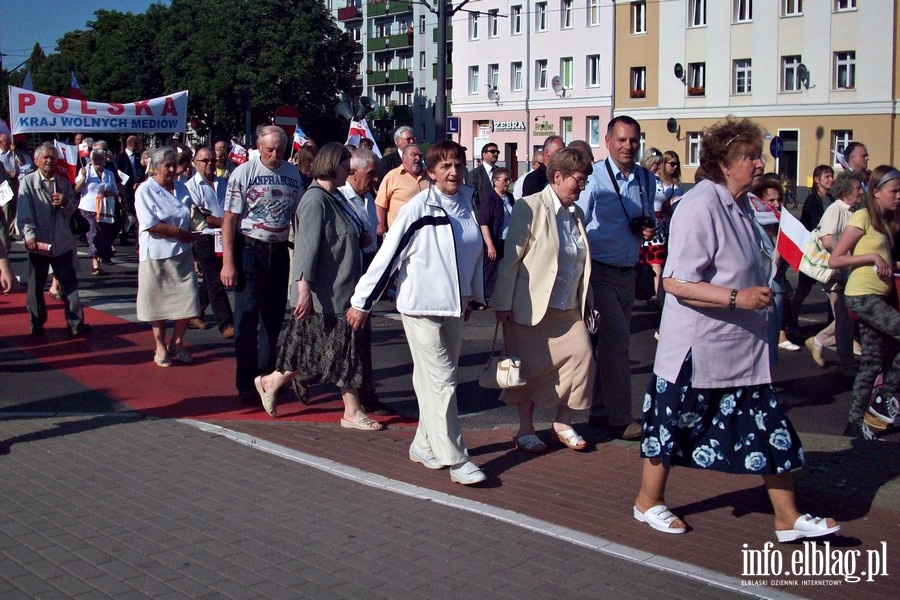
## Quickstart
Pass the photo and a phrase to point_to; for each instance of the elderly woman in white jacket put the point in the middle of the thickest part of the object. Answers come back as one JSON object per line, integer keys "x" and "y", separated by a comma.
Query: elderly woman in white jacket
{"x": 434, "y": 288}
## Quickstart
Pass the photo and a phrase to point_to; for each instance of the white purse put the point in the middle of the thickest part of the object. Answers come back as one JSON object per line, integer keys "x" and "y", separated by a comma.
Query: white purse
{"x": 501, "y": 372}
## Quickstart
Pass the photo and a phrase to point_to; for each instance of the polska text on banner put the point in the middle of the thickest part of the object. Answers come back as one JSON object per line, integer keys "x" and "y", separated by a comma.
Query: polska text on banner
{"x": 358, "y": 130}
{"x": 32, "y": 112}
{"x": 238, "y": 154}
{"x": 67, "y": 164}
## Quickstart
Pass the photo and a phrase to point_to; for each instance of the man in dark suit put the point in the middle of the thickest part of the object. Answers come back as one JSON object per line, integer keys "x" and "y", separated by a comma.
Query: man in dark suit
{"x": 480, "y": 177}
{"x": 129, "y": 162}
{"x": 537, "y": 179}
{"x": 403, "y": 137}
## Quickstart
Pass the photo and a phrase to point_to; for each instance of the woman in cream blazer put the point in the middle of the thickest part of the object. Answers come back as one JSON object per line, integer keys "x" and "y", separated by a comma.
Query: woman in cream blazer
{"x": 541, "y": 297}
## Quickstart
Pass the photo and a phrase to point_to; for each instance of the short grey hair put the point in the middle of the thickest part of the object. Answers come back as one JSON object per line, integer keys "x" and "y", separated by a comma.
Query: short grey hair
{"x": 267, "y": 130}
{"x": 404, "y": 149}
{"x": 46, "y": 148}
{"x": 97, "y": 154}
{"x": 360, "y": 158}
{"x": 843, "y": 183}
{"x": 161, "y": 155}
{"x": 101, "y": 144}
{"x": 398, "y": 133}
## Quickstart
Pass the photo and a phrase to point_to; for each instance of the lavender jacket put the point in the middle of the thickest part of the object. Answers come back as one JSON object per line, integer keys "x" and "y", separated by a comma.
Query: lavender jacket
{"x": 712, "y": 239}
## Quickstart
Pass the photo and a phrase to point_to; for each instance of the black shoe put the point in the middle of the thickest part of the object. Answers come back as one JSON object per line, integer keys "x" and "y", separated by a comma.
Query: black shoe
{"x": 80, "y": 330}
{"x": 37, "y": 329}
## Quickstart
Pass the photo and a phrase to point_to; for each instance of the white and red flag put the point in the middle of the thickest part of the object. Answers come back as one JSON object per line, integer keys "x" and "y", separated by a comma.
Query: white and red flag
{"x": 299, "y": 139}
{"x": 792, "y": 239}
{"x": 238, "y": 154}
{"x": 74, "y": 89}
{"x": 68, "y": 164}
{"x": 358, "y": 130}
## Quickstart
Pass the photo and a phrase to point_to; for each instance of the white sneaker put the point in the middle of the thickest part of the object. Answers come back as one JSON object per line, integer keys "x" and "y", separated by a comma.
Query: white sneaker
{"x": 789, "y": 346}
{"x": 467, "y": 473}
{"x": 426, "y": 460}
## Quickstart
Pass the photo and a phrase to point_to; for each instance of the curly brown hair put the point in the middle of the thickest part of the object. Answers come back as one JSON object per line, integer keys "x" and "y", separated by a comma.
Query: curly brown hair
{"x": 727, "y": 141}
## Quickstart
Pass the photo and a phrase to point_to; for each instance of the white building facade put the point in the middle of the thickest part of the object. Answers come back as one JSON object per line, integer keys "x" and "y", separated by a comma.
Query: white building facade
{"x": 524, "y": 70}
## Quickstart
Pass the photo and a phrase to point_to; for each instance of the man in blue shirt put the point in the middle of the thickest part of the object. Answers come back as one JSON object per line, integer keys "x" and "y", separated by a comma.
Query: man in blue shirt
{"x": 618, "y": 207}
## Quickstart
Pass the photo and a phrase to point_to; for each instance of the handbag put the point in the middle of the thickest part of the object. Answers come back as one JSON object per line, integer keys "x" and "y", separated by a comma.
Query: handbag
{"x": 814, "y": 261}
{"x": 643, "y": 281}
{"x": 78, "y": 225}
{"x": 500, "y": 372}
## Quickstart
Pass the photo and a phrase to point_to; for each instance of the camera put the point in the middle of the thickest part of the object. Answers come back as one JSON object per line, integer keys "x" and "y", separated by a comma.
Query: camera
{"x": 638, "y": 224}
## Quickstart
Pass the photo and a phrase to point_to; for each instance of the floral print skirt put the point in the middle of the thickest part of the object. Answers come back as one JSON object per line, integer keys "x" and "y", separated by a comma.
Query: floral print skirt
{"x": 736, "y": 430}
{"x": 321, "y": 349}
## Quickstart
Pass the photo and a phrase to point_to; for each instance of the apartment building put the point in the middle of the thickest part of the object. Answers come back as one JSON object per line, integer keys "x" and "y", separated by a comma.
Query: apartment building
{"x": 397, "y": 61}
{"x": 526, "y": 69}
{"x": 815, "y": 73}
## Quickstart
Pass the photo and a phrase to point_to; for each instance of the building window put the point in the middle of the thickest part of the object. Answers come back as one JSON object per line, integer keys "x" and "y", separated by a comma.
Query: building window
{"x": 593, "y": 70}
{"x": 473, "y": 80}
{"x": 742, "y": 77}
{"x": 638, "y": 82}
{"x": 356, "y": 33}
{"x": 567, "y": 15}
{"x": 493, "y": 23}
{"x": 494, "y": 76}
{"x": 696, "y": 13}
{"x": 473, "y": 25}
{"x": 593, "y": 15}
{"x": 844, "y": 70}
{"x": 593, "y": 131}
{"x": 540, "y": 16}
{"x": 638, "y": 17}
{"x": 790, "y": 78}
{"x": 565, "y": 72}
{"x": 742, "y": 11}
{"x": 840, "y": 138}
{"x": 791, "y": 8}
{"x": 422, "y": 62}
{"x": 515, "y": 20}
{"x": 566, "y": 129}
{"x": 697, "y": 79}
{"x": 540, "y": 75}
{"x": 842, "y": 5}
{"x": 421, "y": 23}
{"x": 693, "y": 147}
{"x": 515, "y": 80}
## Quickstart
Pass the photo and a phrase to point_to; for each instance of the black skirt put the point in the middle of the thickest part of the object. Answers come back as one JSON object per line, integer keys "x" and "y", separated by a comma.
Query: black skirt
{"x": 321, "y": 349}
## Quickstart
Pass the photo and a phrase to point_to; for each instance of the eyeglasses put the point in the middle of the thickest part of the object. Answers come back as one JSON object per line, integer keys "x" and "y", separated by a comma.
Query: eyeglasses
{"x": 492, "y": 152}
{"x": 672, "y": 163}
{"x": 754, "y": 158}
{"x": 408, "y": 139}
{"x": 582, "y": 182}
{"x": 203, "y": 160}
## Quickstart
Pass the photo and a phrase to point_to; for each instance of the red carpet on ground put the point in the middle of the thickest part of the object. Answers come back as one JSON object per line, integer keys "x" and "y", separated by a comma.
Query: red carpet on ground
{"x": 117, "y": 357}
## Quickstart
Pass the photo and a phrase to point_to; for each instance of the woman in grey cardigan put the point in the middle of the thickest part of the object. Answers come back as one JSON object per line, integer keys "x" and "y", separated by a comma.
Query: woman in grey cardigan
{"x": 319, "y": 345}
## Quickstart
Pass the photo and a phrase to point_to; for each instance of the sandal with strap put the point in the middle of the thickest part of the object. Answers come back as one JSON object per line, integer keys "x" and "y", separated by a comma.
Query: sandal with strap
{"x": 658, "y": 517}
{"x": 806, "y": 526}
{"x": 364, "y": 422}
{"x": 530, "y": 443}
{"x": 571, "y": 439}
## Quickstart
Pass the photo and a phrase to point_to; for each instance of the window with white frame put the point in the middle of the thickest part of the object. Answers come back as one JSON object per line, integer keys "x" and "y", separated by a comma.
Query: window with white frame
{"x": 638, "y": 17}
{"x": 693, "y": 147}
{"x": 567, "y": 14}
{"x": 566, "y": 129}
{"x": 473, "y": 25}
{"x": 845, "y": 70}
{"x": 422, "y": 61}
{"x": 790, "y": 76}
{"x": 696, "y": 13}
{"x": 540, "y": 74}
{"x": 742, "y": 11}
{"x": 473, "y": 80}
{"x": 515, "y": 78}
{"x": 840, "y": 138}
{"x": 493, "y": 23}
{"x": 355, "y": 33}
{"x": 593, "y": 13}
{"x": 842, "y": 5}
{"x": 421, "y": 23}
{"x": 638, "y": 82}
{"x": 540, "y": 16}
{"x": 494, "y": 77}
{"x": 566, "y": 74}
{"x": 515, "y": 20}
{"x": 697, "y": 79}
{"x": 791, "y": 8}
{"x": 406, "y": 61}
{"x": 593, "y": 131}
{"x": 382, "y": 63}
{"x": 742, "y": 77}
{"x": 593, "y": 70}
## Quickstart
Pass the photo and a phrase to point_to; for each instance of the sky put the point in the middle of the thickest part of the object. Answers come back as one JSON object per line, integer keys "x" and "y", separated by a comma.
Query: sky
{"x": 23, "y": 24}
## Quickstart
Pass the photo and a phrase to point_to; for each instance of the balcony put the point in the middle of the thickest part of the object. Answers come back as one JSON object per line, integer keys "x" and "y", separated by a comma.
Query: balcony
{"x": 434, "y": 34}
{"x": 390, "y": 42}
{"x": 390, "y": 77}
{"x": 348, "y": 13}
{"x": 434, "y": 71}
{"x": 699, "y": 90}
{"x": 389, "y": 7}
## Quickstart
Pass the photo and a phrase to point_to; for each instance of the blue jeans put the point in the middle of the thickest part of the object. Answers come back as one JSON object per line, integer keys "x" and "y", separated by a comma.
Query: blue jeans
{"x": 260, "y": 298}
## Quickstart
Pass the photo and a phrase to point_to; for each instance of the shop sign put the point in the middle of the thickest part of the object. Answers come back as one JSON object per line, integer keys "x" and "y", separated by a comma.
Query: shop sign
{"x": 509, "y": 125}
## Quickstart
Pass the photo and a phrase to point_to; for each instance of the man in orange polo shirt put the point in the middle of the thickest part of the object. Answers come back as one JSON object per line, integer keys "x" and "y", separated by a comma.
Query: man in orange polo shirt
{"x": 399, "y": 186}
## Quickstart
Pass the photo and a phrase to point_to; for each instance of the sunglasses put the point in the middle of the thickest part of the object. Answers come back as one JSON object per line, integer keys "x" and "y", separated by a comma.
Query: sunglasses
{"x": 672, "y": 163}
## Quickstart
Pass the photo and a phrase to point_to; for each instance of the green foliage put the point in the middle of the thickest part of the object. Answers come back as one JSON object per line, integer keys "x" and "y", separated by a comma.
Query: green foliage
{"x": 283, "y": 51}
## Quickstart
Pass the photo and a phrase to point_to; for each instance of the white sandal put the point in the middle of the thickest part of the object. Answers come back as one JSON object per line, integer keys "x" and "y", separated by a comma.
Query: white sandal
{"x": 571, "y": 439}
{"x": 660, "y": 518}
{"x": 806, "y": 526}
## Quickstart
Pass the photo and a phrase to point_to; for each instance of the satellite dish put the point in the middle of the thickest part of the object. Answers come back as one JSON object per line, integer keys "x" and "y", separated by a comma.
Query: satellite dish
{"x": 556, "y": 84}
{"x": 344, "y": 109}
{"x": 492, "y": 94}
{"x": 803, "y": 75}
{"x": 679, "y": 71}
{"x": 671, "y": 125}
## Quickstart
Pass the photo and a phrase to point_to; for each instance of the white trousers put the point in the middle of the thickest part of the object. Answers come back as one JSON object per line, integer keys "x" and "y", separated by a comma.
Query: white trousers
{"x": 435, "y": 344}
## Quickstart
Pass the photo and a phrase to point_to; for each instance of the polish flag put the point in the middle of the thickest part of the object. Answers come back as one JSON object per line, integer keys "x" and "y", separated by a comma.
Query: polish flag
{"x": 67, "y": 165}
{"x": 74, "y": 89}
{"x": 792, "y": 239}
{"x": 238, "y": 154}
{"x": 358, "y": 130}
{"x": 299, "y": 138}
